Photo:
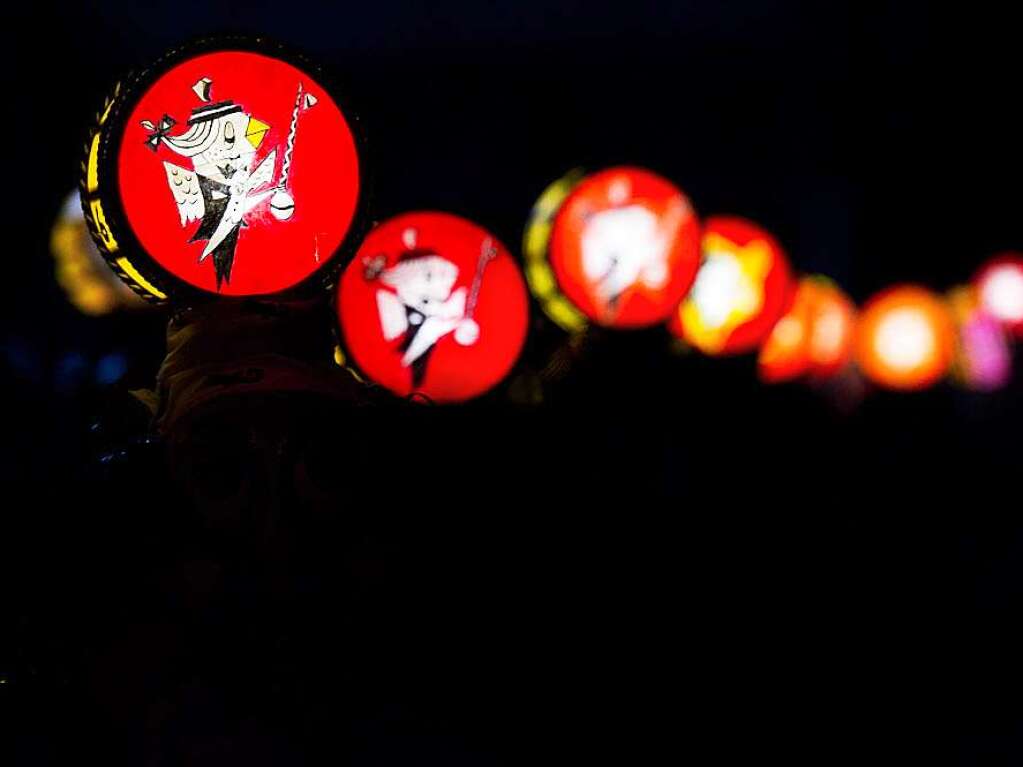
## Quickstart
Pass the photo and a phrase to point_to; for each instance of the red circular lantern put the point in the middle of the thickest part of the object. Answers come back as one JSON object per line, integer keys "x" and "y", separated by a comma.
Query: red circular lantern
{"x": 813, "y": 338}
{"x": 832, "y": 330}
{"x": 742, "y": 289}
{"x": 905, "y": 338}
{"x": 786, "y": 352}
{"x": 230, "y": 171}
{"x": 999, "y": 286}
{"x": 624, "y": 247}
{"x": 433, "y": 305}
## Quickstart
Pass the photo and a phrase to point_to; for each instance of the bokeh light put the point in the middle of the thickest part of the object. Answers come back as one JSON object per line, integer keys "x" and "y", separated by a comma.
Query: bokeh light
{"x": 832, "y": 331}
{"x": 813, "y": 338}
{"x": 535, "y": 250}
{"x": 742, "y": 289}
{"x": 785, "y": 354}
{"x": 999, "y": 285}
{"x": 983, "y": 360}
{"x": 81, "y": 270}
{"x": 625, "y": 247}
{"x": 905, "y": 338}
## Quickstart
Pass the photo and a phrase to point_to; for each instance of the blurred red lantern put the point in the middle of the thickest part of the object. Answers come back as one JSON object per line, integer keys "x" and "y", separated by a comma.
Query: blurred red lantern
{"x": 624, "y": 247}
{"x": 832, "y": 331}
{"x": 786, "y": 352}
{"x": 905, "y": 338}
{"x": 999, "y": 286}
{"x": 433, "y": 305}
{"x": 813, "y": 338}
{"x": 743, "y": 287}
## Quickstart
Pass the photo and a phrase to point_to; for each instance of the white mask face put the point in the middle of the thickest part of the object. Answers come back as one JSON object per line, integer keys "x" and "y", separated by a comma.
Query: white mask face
{"x": 422, "y": 283}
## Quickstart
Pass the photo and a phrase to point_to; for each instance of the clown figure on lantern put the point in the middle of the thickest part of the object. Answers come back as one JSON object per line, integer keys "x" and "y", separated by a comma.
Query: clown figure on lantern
{"x": 418, "y": 302}
{"x": 225, "y": 182}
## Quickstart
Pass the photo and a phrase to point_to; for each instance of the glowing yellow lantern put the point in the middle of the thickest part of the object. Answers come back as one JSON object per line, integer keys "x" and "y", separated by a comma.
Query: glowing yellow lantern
{"x": 80, "y": 269}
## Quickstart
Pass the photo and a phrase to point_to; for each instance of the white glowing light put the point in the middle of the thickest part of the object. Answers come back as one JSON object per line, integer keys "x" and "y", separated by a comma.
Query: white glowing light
{"x": 623, "y": 246}
{"x": 721, "y": 288}
{"x": 1002, "y": 293}
{"x": 904, "y": 339}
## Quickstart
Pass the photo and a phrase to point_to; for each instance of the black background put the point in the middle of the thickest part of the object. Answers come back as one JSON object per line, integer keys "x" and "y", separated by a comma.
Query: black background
{"x": 666, "y": 560}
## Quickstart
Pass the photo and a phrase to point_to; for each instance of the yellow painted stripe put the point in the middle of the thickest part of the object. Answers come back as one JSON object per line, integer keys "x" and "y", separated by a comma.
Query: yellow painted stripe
{"x": 110, "y": 105}
{"x": 99, "y": 221}
{"x": 92, "y": 173}
{"x": 141, "y": 281}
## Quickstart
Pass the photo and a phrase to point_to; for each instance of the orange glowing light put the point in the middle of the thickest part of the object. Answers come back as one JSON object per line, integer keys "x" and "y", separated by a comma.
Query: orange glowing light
{"x": 81, "y": 272}
{"x": 785, "y": 354}
{"x": 743, "y": 287}
{"x": 815, "y": 336}
{"x": 905, "y": 338}
{"x": 832, "y": 331}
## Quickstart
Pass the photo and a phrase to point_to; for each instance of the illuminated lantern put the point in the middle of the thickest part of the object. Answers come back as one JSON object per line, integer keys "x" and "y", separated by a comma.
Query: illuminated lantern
{"x": 905, "y": 338}
{"x": 999, "y": 285}
{"x": 80, "y": 270}
{"x": 832, "y": 330}
{"x": 786, "y": 352}
{"x": 225, "y": 171}
{"x": 433, "y": 306}
{"x": 813, "y": 338}
{"x": 743, "y": 288}
{"x": 624, "y": 247}
{"x": 983, "y": 361}
{"x": 535, "y": 250}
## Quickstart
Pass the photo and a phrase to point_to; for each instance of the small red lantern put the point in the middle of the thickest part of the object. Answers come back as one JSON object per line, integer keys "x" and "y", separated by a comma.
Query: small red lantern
{"x": 230, "y": 171}
{"x": 624, "y": 247}
{"x": 433, "y": 305}
{"x": 742, "y": 289}
{"x": 905, "y": 338}
{"x": 999, "y": 286}
{"x": 785, "y": 354}
{"x": 813, "y": 338}
{"x": 833, "y": 330}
